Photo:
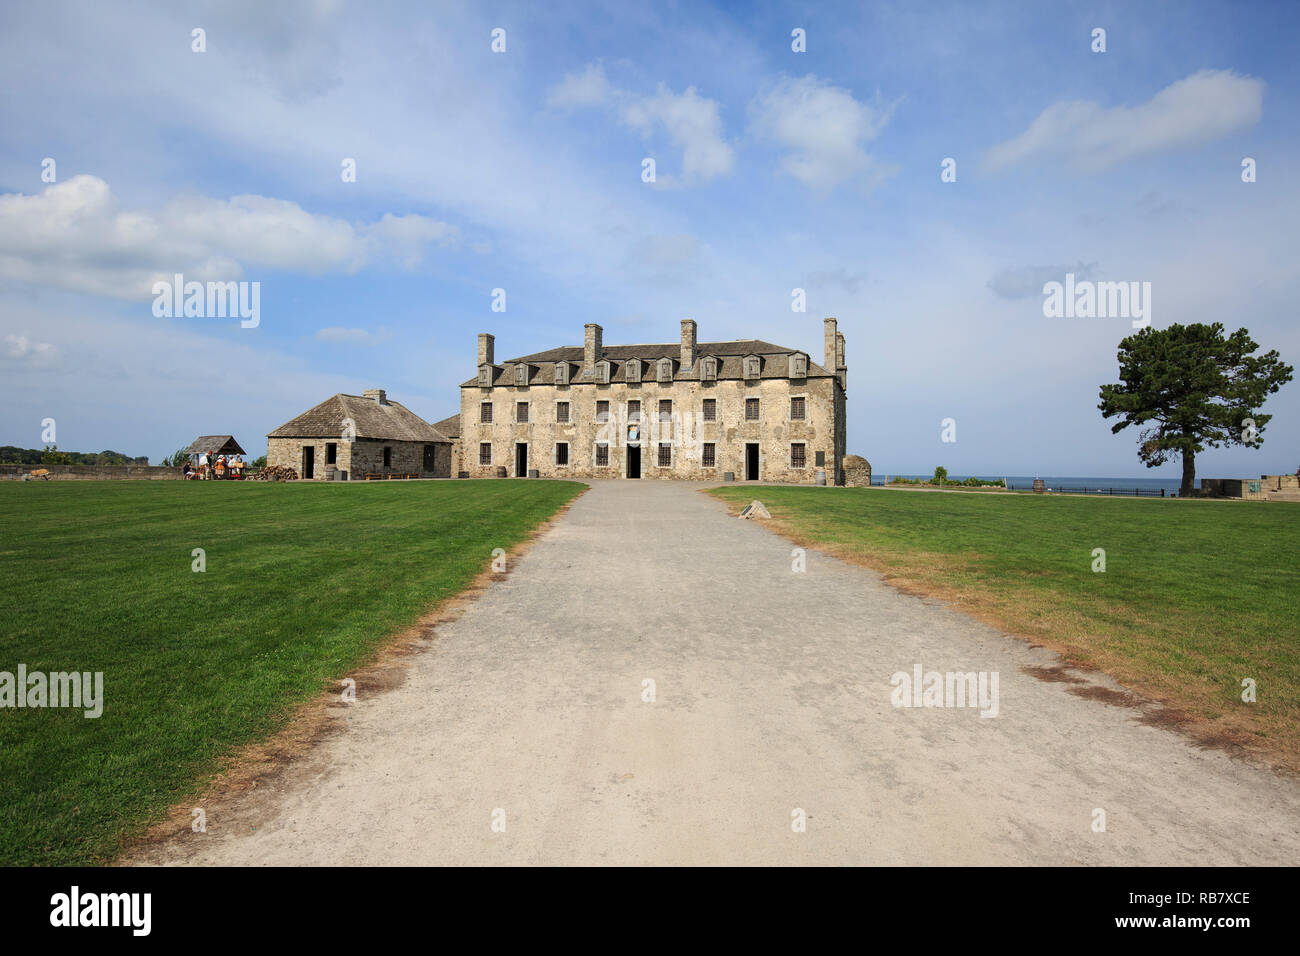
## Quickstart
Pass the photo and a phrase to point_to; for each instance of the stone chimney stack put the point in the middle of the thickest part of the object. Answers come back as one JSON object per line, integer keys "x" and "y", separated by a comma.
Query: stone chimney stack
{"x": 688, "y": 344}
{"x": 486, "y": 348}
{"x": 592, "y": 347}
{"x": 378, "y": 394}
{"x": 832, "y": 346}
{"x": 841, "y": 369}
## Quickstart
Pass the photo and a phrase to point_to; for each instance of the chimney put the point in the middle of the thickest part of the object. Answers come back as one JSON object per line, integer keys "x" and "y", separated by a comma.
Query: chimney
{"x": 842, "y": 370}
{"x": 832, "y": 346}
{"x": 486, "y": 345}
{"x": 378, "y": 394}
{"x": 592, "y": 347}
{"x": 688, "y": 344}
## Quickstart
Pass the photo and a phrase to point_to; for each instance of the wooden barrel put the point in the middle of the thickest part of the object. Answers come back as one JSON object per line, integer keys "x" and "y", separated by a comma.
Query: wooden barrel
{"x": 1040, "y": 485}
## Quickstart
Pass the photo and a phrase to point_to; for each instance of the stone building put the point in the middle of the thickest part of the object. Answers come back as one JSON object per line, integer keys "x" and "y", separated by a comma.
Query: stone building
{"x": 360, "y": 435}
{"x": 684, "y": 409}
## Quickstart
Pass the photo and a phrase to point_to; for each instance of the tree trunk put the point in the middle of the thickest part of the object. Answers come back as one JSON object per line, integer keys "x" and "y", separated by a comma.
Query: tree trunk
{"x": 1189, "y": 474}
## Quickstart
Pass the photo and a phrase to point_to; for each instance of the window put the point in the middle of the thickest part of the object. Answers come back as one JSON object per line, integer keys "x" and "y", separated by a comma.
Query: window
{"x": 665, "y": 455}
{"x": 709, "y": 459}
{"x": 602, "y": 411}
{"x": 521, "y": 374}
{"x": 797, "y": 409}
{"x": 602, "y": 454}
{"x": 665, "y": 409}
{"x": 799, "y": 366}
{"x": 710, "y": 409}
{"x": 562, "y": 373}
{"x": 821, "y": 459}
{"x": 521, "y": 412}
{"x": 331, "y": 453}
{"x": 562, "y": 453}
{"x": 665, "y": 370}
{"x": 632, "y": 370}
{"x": 634, "y": 411}
{"x": 485, "y": 453}
{"x": 388, "y": 456}
{"x": 602, "y": 372}
{"x": 751, "y": 409}
{"x": 709, "y": 370}
{"x": 485, "y": 376}
{"x": 752, "y": 366}
{"x": 485, "y": 413}
{"x": 798, "y": 455}
{"x": 561, "y": 411}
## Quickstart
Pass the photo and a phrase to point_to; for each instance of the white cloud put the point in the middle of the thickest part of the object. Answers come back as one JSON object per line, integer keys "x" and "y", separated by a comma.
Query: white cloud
{"x": 588, "y": 88}
{"x": 693, "y": 123}
{"x": 824, "y": 128}
{"x": 21, "y": 350}
{"x": 75, "y": 235}
{"x": 1203, "y": 107}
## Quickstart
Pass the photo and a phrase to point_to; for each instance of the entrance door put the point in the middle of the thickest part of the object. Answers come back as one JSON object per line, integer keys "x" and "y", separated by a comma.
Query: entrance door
{"x": 751, "y": 462}
{"x": 634, "y": 461}
{"x": 309, "y": 461}
{"x": 430, "y": 458}
{"x": 521, "y": 460}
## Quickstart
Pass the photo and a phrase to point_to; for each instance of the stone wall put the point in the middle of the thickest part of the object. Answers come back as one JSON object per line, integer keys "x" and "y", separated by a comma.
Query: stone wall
{"x": 857, "y": 472}
{"x": 361, "y": 457}
{"x": 95, "y": 472}
{"x": 1247, "y": 488}
{"x": 686, "y": 433}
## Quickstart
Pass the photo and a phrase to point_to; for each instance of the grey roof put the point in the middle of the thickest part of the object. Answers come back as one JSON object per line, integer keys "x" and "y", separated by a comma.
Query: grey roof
{"x": 390, "y": 421}
{"x": 774, "y": 360}
{"x": 219, "y": 444}
{"x": 449, "y": 426}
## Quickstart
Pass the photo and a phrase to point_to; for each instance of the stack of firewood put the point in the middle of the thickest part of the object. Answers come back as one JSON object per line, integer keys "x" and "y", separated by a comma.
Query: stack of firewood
{"x": 275, "y": 473}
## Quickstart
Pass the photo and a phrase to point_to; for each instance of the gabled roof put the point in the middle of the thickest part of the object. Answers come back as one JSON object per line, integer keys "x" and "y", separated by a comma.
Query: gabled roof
{"x": 449, "y": 426}
{"x": 219, "y": 444}
{"x": 728, "y": 354}
{"x": 390, "y": 421}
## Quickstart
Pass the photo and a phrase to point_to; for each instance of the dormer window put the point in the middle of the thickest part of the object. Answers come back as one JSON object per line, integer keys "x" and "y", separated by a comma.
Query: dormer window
{"x": 665, "y": 370}
{"x": 485, "y": 376}
{"x": 798, "y": 366}
{"x": 752, "y": 366}
{"x": 601, "y": 372}
{"x": 562, "y": 373}
{"x": 709, "y": 370}
{"x": 632, "y": 370}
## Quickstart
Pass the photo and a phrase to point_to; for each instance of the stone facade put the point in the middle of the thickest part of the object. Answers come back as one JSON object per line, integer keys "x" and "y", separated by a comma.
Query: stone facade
{"x": 361, "y": 435}
{"x": 774, "y": 415}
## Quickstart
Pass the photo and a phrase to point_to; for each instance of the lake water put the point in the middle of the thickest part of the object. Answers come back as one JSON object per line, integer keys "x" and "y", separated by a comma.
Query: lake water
{"x": 1058, "y": 483}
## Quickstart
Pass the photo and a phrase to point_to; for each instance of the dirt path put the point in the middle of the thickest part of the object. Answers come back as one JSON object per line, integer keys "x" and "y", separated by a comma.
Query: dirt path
{"x": 772, "y": 695}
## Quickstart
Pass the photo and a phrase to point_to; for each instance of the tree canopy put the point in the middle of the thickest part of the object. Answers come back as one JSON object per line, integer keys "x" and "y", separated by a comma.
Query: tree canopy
{"x": 1190, "y": 387}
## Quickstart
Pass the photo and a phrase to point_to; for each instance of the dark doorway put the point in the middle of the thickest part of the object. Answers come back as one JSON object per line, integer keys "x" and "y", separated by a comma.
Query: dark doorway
{"x": 521, "y": 460}
{"x": 331, "y": 453}
{"x": 634, "y": 461}
{"x": 430, "y": 458}
{"x": 308, "y": 461}
{"x": 751, "y": 462}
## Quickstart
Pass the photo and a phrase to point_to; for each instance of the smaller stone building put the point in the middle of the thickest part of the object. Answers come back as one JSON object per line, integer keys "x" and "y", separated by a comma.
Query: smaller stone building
{"x": 360, "y": 435}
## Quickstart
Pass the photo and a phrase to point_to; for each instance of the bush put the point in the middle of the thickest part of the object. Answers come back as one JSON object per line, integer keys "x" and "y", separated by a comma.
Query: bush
{"x": 940, "y": 475}
{"x": 258, "y": 462}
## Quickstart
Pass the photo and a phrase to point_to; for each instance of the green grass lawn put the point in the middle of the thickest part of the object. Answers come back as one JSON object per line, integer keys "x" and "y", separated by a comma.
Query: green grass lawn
{"x": 1195, "y": 597}
{"x": 303, "y": 583}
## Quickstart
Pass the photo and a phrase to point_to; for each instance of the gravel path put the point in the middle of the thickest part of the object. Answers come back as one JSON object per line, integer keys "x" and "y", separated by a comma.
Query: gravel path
{"x": 772, "y": 695}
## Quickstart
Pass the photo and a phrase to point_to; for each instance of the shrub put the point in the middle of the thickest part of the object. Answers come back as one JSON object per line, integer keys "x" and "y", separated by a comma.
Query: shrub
{"x": 940, "y": 475}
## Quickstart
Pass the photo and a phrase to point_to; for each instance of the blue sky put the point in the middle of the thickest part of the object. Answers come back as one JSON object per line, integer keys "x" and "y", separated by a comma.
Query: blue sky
{"x": 522, "y": 170}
